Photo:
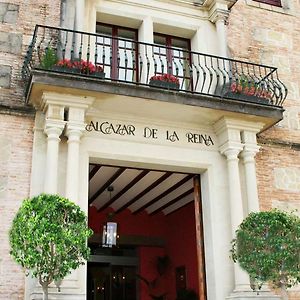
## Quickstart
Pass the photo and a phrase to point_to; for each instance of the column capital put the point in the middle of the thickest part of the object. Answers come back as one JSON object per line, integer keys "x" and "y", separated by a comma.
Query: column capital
{"x": 231, "y": 151}
{"x": 249, "y": 152}
{"x": 54, "y": 128}
{"x": 74, "y": 131}
{"x": 219, "y": 14}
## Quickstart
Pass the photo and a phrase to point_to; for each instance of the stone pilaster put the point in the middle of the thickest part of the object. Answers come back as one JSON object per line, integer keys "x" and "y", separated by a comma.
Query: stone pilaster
{"x": 230, "y": 146}
{"x": 54, "y": 125}
{"x": 53, "y": 130}
{"x": 73, "y": 132}
{"x": 248, "y": 156}
{"x": 76, "y": 107}
{"x": 219, "y": 17}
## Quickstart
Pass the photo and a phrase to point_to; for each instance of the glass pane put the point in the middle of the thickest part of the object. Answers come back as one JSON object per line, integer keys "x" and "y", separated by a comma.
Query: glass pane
{"x": 160, "y": 40}
{"x": 104, "y": 29}
{"x": 180, "y": 43}
{"x": 127, "y": 34}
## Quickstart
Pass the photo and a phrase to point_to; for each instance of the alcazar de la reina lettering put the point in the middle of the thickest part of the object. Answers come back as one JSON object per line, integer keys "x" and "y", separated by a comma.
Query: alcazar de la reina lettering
{"x": 166, "y": 121}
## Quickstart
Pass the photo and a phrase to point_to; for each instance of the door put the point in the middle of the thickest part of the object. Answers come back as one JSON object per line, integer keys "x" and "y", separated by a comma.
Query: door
{"x": 116, "y": 52}
{"x": 111, "y": 282}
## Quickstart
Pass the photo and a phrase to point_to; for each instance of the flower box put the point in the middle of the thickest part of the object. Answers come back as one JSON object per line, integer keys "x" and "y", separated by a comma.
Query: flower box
{"x": 248, "y": 98}
{"x": 98, "y": 75}
{"x": 244, "y": 93}
{"x": 164, "y": 84}
{"x": 65, "y": 69}
{"x": 166, "y": 81}
{"x": 79, "y": 67}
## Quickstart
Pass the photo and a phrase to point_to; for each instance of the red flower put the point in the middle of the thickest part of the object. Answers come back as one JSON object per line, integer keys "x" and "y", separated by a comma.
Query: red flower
{"x": 65, "y": 63}
{"x": 165, "y": 78}
{"x": 85, "y": 67}
{"x": 250, "y": 90}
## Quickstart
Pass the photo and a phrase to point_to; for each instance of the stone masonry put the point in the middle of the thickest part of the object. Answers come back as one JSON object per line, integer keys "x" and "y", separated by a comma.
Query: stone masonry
{"x": 15, "y": 168}
{"x": 17, "y": 21}
{"x": 271, "y": 36}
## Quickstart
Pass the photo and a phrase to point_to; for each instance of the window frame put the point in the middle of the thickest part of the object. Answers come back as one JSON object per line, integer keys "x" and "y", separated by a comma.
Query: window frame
{"x": 169, "y": 55}
{"x": 114, "y": 49}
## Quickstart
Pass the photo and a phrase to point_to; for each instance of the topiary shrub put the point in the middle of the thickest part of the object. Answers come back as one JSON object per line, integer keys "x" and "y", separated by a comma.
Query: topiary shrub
{"x": 267, "y": 247}
{"x": 49, "y": 238}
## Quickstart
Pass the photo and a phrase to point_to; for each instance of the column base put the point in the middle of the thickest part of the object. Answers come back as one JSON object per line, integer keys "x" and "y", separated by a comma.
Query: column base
{"x": 264, "y": 295}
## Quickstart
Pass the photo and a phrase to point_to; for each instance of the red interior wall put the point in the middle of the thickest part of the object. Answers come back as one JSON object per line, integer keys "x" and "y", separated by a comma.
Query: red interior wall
{"x": 178, "y": 230}
{"x": 181, "y": 247}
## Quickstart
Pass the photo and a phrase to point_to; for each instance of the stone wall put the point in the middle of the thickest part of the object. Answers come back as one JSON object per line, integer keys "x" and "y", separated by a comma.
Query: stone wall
{"x": 17, "y": 21}
{"x": 15, "y": 168}
{"x": 270, "y": 35}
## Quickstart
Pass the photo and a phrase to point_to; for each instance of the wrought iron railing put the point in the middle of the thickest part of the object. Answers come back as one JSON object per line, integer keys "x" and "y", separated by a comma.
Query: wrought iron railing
{"x": 103, "y": 57}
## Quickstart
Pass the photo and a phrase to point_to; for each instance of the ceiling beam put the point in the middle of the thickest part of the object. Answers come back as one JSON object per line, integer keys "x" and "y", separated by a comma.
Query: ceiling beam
{"x": 107, "y": 184}
{"x": 125, "y": 189}
{"x": 183, "y": 195}
{"x": 168, "y": 191}
{"x": 93, "y": 172}
{"x": 145, "y": 191}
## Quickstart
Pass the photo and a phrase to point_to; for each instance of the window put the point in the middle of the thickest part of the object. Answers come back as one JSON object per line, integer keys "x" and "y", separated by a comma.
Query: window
{"x": 271, "y": 2}
{"x": 172, "y": 55}
{"x": 116, "y": 51}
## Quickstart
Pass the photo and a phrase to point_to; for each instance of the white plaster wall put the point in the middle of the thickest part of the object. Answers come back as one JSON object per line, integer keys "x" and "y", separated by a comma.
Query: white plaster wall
{"x": 167, "y": 18}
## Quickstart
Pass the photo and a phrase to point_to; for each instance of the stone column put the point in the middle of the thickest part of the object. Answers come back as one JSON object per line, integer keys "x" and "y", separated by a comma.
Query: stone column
{"x": 79, "y": 15}
{"x": 73, "y": 132}
{"x": 231, "y": 151}
{"x": 53, "y": 131}
{"x": 230, "y": 146}
{"x": 77, "y": 107}
{"x": 145, "y": 51}
{"x": 248, "y": 155}
{"x": 219, "y": 17}
{"x": 54, "y": 126}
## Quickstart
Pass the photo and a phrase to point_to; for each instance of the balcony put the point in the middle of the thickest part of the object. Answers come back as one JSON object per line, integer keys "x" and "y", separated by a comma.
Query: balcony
{"x": 119, "y": 66}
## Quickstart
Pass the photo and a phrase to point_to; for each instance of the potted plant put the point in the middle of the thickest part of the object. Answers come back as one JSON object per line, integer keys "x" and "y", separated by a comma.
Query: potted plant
{"x": 267, "y": 247}
{"x": 49, "y": 59}
{"x": 165, "y": 81}
{"x": 88, "y": 68}
{"x": 48, "y": 238}
{"x": 79, "y": 67}
{"x": 64, "y": 65}
{"x": 245, "y": 88}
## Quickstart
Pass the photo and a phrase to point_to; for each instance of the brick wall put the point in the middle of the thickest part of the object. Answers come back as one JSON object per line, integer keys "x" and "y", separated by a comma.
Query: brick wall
{"x": 17, "y": 21}
{"x": 271, "y": 36}
{"x": 15, "y": 167}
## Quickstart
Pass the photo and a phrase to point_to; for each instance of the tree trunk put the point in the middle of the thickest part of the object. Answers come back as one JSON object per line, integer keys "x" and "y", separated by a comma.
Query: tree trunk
{"x": 284, "y": 294}
{"x": 45, "y": 292}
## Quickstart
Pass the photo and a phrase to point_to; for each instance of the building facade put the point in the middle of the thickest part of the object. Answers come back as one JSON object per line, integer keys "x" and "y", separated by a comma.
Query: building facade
{"x": 165, "y": 117}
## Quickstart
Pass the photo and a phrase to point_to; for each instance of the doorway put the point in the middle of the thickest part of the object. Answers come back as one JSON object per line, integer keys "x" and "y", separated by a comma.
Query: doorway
{"x": 108, "y": 282}
{"x": 155, "y": 212}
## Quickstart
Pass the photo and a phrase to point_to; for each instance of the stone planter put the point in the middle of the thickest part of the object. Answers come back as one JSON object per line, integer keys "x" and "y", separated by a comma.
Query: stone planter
{"x": 164, "y": 84}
